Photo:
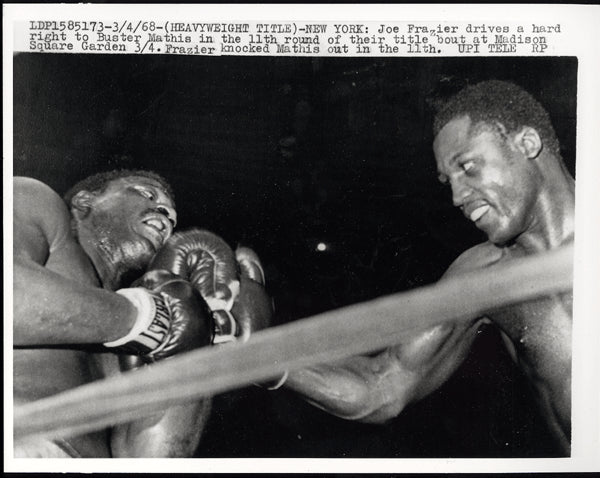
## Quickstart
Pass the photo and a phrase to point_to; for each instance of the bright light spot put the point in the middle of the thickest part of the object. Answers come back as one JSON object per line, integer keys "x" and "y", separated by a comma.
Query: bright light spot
{"x": 321, "y": 246}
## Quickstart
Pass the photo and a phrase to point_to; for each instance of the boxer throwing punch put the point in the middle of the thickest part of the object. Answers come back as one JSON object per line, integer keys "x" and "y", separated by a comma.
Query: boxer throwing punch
{"x": 497, "y": 150}
{"x": 77, "y": 318}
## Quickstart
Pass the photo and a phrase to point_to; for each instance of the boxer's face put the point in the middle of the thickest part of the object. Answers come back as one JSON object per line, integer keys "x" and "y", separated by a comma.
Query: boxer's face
{"x": 492, "y": 182}
{"x": 131, "y": 219}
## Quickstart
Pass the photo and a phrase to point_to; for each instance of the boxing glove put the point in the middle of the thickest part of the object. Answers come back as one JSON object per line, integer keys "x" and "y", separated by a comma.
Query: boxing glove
{"x": 172, "y": 317}
{"x": 231, "y": 284}
{"x": 253, "y": 308}
{"x": 208, "y": 263}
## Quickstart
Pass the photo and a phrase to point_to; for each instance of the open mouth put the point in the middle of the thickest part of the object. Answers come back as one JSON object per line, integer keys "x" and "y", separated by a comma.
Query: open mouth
{"x": 156, "y": 230}
{"x": 479, "y": 212}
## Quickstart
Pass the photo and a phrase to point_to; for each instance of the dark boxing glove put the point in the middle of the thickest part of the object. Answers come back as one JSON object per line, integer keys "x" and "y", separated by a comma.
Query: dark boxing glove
{"x": 231, "y": 284}
{"x": 172, "y": 317}
{"x": 253, "y": 308}
{"x": 208, "y": 263}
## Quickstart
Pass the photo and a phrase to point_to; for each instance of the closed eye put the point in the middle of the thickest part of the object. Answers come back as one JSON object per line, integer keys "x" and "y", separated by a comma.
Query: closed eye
{"x": 147, "y": 193}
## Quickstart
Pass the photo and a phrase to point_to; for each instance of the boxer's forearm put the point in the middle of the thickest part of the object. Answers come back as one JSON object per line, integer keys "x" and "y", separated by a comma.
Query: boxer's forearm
{"x": 353, "y": 389}
{"x": 174, "y": 433}
{"x": 375, "y": 389}
{"x": 51, "y": 310}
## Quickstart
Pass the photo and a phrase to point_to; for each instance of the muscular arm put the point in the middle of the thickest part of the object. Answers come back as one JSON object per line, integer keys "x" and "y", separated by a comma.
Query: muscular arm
{"x": 54, "y": 303}
{"x": 376, "y": 388}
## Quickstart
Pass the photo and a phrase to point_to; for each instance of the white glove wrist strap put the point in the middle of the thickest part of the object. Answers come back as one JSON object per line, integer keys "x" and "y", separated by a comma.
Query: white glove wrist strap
{"x": 146, "y": 308}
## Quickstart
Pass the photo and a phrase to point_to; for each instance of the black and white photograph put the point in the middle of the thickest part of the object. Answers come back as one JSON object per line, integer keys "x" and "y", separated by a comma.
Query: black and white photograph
{"x": 299, "y": 257}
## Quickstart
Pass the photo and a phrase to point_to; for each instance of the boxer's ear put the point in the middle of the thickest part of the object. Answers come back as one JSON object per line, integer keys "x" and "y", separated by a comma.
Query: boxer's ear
{"x": 528, "y": 141}
{"x": 81, "y": 203}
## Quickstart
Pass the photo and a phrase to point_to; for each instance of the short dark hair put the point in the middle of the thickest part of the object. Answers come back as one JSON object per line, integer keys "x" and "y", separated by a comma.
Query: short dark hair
{"x": 98, "y": 182}
{"x": 499, "y": 101}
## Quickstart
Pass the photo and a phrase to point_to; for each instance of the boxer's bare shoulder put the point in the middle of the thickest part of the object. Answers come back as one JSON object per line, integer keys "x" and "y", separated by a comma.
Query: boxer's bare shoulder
{"x": 42, "y": 232}
{"x": 537, "y": 334}
{"x": 477, "y": 257}
{"x": 41, "y": 219}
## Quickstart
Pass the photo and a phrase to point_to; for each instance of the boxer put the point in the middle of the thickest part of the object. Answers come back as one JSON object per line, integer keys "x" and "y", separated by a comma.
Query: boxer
{"x": 77, "y": 318}
{"x": 497, "y": 150}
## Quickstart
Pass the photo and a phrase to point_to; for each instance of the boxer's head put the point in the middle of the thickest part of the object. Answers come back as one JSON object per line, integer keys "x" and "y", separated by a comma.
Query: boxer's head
{"x": 492, "y": 141}
{"x": 121, "y": 218}
{"x": 492, "y": 103}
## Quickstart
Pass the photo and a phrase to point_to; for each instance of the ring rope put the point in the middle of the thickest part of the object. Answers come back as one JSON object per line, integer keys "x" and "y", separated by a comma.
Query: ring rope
{"x": 326, "y": 337}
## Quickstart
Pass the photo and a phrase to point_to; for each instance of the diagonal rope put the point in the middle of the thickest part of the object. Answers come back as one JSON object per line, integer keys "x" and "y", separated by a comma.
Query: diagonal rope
{"x": 326, "y": 337}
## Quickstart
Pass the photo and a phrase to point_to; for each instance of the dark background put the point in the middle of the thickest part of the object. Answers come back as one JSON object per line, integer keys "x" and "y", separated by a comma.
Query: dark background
{"x": 280, "y": 154}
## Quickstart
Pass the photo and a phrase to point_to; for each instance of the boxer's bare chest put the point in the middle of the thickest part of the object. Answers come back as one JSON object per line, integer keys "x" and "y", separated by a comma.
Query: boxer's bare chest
{"x": 539, "y": 337}
{"x": 540, "y": 331}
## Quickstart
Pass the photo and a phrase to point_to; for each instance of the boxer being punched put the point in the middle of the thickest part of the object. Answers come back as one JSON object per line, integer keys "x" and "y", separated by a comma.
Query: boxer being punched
{"x": 497, "y": 150}
{"x": 77, "y": 318}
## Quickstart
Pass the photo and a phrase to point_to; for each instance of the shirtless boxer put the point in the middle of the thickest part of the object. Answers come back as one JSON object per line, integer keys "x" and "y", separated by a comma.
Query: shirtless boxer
{"x": 71, "y": 328}
{"x": 497, "y": 150}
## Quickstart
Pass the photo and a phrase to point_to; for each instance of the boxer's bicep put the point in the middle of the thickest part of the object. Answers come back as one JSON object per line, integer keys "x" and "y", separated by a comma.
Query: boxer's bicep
{"x": 455, "y": 341}
{"x": 423, "y": 361}
{"x": 418, "y": 366}
{"x": 376, "y": 388}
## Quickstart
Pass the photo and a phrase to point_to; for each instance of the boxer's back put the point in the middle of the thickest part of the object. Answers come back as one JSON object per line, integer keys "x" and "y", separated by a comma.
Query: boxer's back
{"x": 40, "y": 371}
